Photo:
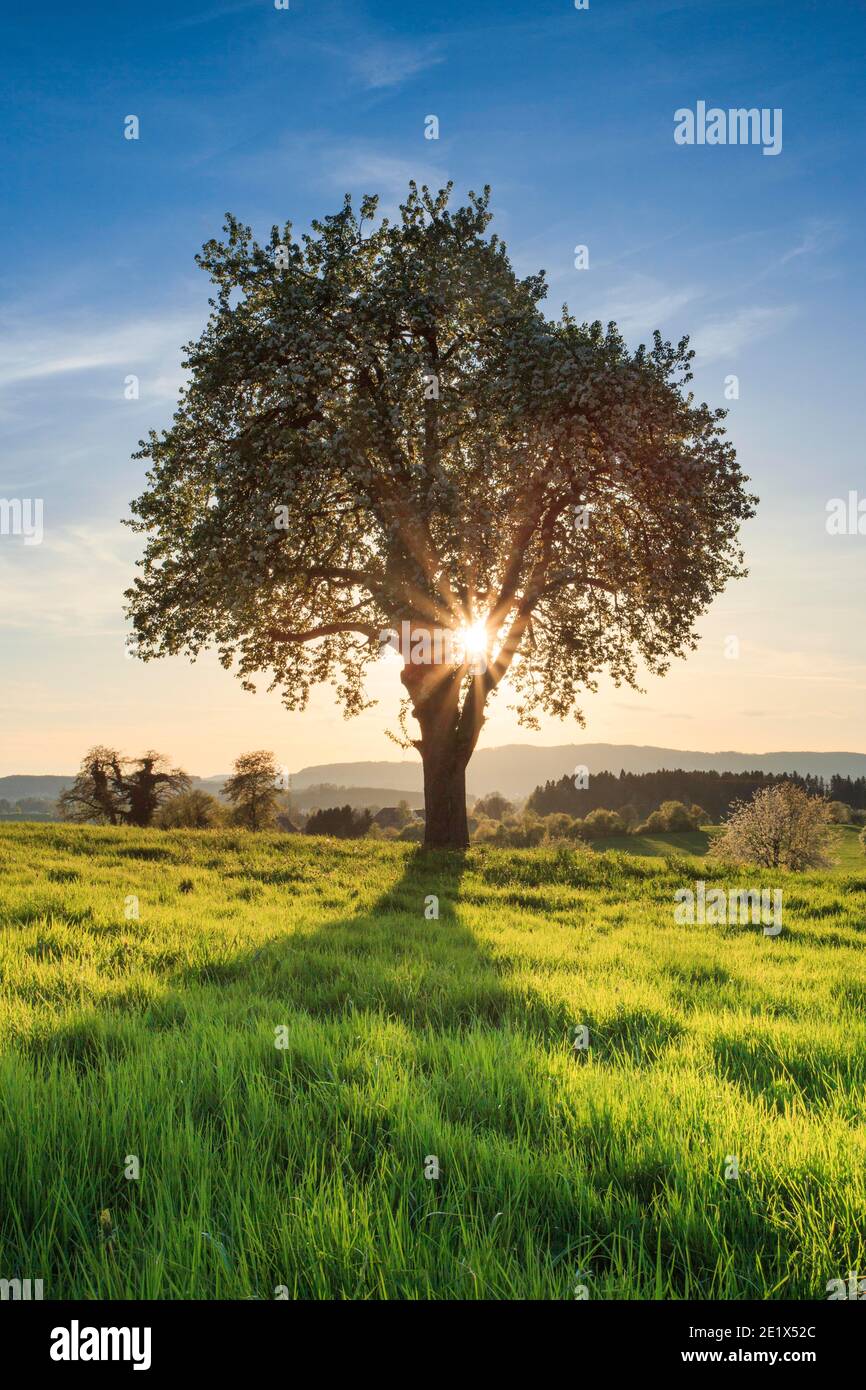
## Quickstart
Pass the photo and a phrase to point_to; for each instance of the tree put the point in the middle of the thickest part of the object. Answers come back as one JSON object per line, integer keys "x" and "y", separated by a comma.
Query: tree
{"x": 413, "y": 833}
{"x": 148, "y": 784}
{"x": 341, "y": 821}
{"x": 115, "y": 790}
{"x": 600, "y": 823}
{"x": 672, "y": 815}
{"x": 190, "y": 810}
{"x": 384, "y": 441}
{"x": 39, "y": 804}
{"x": 99, "y": 791}
{"x": 560, "y": 826}
{"x": 781, "y": 827}
{"x": 520, "y": 832}
{"x": 253, "y": 790}
{"x": 494, "y": 805}
{"x": 676, "y": 816}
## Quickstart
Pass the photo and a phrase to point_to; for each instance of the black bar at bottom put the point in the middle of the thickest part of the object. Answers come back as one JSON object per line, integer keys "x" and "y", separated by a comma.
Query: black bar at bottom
{"x": 87, "y": 1338}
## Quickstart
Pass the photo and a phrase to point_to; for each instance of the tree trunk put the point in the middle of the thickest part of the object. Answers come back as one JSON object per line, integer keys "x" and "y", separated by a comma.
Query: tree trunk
{"x": 444, "y": 795}
{"x": 434, "y": 690}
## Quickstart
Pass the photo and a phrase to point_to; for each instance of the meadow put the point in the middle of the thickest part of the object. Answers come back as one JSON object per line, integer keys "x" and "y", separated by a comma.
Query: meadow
{"x": 298, "y": 1169}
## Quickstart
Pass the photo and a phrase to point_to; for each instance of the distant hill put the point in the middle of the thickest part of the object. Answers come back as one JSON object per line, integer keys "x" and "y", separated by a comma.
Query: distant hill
{"x": 515, "y": 769}
{"x": 13, "y": 788}
{"x": 319, "y": 797}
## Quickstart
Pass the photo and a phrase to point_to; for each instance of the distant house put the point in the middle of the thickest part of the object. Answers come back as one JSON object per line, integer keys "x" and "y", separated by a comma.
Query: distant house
{"x": 390, "y": 818}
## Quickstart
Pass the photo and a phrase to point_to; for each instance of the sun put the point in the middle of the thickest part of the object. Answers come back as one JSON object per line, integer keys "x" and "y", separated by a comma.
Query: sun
{"x": 473, "y": 639}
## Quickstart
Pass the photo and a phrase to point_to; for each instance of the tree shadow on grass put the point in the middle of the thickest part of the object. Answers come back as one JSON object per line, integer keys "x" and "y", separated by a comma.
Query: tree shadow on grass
{"x": 407, "y": 1037}
{"x": 405, "y": 954}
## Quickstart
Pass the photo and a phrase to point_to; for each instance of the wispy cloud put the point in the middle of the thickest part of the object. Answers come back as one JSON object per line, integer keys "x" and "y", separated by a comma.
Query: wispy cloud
{"x": 390, "y": 63}
{"x": 819, "y": 236}
{"x": 641, "y": 304}
{"x": 33, "y": 349}
{"x": 212, "y": 14}
{"x": 725, "y": 337}
{"x": 367, "y": 170}
{"x": 642, "y": 314}
{"x": 70, "y": 585}
{"x": 376, "y": 64}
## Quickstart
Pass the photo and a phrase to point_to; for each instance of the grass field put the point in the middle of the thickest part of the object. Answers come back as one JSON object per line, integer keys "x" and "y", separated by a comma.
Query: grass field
{"x": 303, "y": 1166}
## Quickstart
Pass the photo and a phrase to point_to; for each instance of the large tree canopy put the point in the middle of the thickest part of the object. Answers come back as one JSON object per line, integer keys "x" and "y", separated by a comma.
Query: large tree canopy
{"x": 382, "y": 428}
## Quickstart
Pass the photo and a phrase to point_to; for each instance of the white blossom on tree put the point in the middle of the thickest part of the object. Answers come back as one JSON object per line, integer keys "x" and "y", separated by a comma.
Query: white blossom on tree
{"x": 454, "y": 510}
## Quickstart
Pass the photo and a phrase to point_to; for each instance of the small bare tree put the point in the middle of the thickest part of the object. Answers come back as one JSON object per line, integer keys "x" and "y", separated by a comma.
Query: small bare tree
{"x": 780, "y": 828}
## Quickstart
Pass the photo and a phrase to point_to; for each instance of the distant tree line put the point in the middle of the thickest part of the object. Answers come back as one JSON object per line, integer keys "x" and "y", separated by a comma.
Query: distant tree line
{"x": 494, "y": 820}
{"x": 114, "y": 789}
{"x": 641, "y": 793}
{"x": 27, "y": 808}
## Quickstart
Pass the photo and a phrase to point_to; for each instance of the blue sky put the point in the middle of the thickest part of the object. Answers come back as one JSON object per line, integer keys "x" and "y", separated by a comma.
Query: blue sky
{"x": 569, "y": 115}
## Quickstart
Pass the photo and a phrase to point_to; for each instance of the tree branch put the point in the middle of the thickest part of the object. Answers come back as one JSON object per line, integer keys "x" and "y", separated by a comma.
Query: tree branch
{"x": 326, "y": 630}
